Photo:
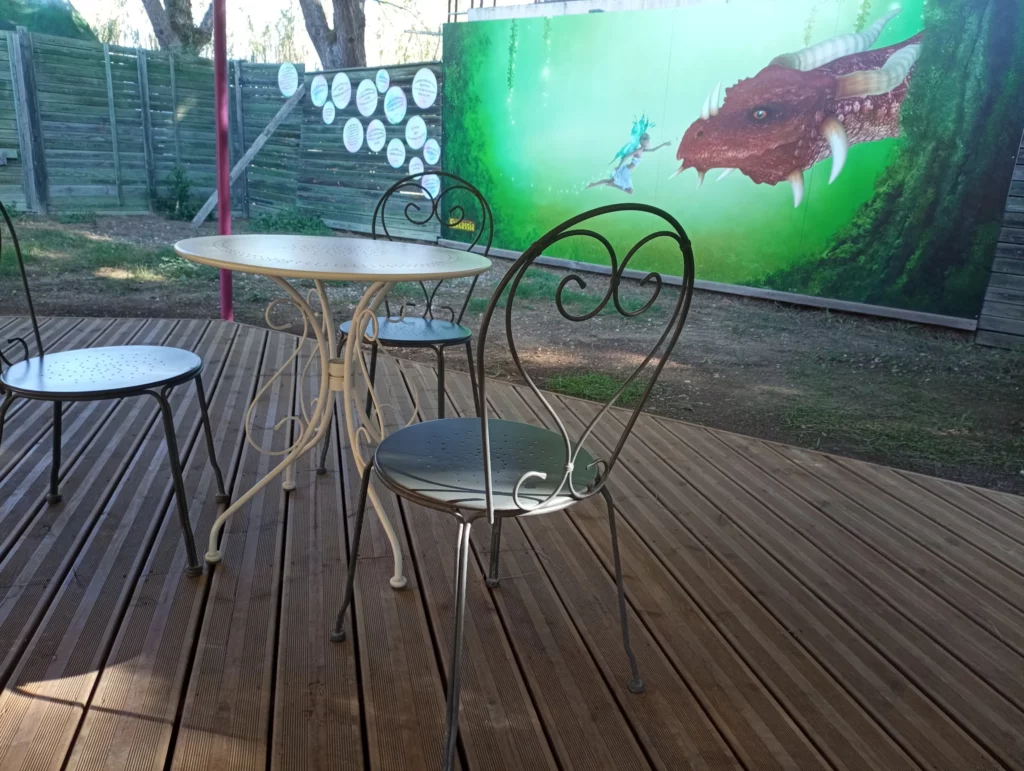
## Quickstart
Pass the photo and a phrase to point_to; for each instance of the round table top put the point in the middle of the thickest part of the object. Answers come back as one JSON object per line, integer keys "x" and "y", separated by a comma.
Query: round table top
{"x": 330, "y": 258}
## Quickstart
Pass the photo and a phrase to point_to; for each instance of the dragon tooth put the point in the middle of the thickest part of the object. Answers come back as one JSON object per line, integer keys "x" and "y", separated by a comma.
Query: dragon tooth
{"x": 796, "y": 182}
{"x": 725, "y": 173}
{"x": 700, "y": 178}
{"x": 834, "y": 133}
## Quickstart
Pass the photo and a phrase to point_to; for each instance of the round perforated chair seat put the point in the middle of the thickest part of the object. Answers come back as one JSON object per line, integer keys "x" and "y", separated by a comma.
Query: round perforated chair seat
{"x": 101, "y": 372}
{"x": 441, "y": 462}
{"x": 415, "y": 330}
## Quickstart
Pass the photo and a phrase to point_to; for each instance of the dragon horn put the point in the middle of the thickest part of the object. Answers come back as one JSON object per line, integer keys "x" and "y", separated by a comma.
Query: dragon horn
{"x": 715, "y": 97}
{"x": 705, "y": 110}
{"x": 834, "y": 133}
{"x": 822, "y": 53}
{"x": 882, "y": 80}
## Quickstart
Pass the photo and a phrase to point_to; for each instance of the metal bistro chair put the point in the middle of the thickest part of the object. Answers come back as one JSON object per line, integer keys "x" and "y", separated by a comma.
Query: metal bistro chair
{"x": 98, "y": 374}
{"x": 473, "y": 468}
{"x": 423, "y": 330}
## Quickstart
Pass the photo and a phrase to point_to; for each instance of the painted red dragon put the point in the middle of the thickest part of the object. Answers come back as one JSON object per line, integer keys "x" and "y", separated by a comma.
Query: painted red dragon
{"x": 802, "y": 108}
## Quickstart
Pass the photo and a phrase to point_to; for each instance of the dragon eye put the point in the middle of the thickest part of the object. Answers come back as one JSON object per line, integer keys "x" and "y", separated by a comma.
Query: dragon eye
{"x": 759, "y": 113}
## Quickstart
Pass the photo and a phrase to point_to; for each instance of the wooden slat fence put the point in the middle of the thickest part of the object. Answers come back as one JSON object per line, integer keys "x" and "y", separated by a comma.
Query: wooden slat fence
{"x": 10, "y": 165}
{"x": 1001, "y": 323}
{"x": 343, "y": 187}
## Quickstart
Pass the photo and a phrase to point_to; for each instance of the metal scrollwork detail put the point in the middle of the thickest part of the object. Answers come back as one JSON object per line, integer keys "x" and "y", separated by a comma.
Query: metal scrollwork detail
{"x": 654, "y": 282}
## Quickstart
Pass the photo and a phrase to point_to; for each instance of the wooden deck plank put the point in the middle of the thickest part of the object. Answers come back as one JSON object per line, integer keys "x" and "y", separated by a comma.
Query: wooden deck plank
{"x": 56, "y": 674}
{"x": 777, "y": 599}
{"x": 835, "y": 613}
{"x": 225, "y": 722}
{"x": 980, "y": 532}
{"x": 402, "y": 690}
{"x": 316, "y": 706}
{"x": 705, "y": 589}
{"x": 583, "y": 720}
{"x": 130, "y": 720}
{"x": 928, "y": 594}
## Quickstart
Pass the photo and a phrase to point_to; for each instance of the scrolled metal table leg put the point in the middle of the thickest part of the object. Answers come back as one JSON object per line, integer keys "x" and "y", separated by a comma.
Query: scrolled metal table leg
{"x": 357, "y": 421}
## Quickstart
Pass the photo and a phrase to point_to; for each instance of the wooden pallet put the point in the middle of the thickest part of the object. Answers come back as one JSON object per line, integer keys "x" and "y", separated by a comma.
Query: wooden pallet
{"x": 790, "y": 610}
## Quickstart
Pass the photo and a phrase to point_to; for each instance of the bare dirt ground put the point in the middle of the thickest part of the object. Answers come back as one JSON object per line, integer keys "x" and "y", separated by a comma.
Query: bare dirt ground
{"x": 903, "y": 395}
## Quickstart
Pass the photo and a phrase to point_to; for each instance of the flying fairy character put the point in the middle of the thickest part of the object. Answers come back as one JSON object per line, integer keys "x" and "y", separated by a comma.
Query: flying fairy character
{"x": 629, "y": 156}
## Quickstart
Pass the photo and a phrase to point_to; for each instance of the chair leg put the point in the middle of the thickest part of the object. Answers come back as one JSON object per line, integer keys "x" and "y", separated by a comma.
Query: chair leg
{"x": 636, "y": 685}
{"x": 451, "y": 731}
{"x": 338, "y": 635}
{"x": 440, "y": 383}
{"x": 322, "y": 468}
{"x": 54, "y": 495}
{"x": 222, "y": 496}
{"x": 492, "y": 579}
{"x": 4, "y": 406}
{"x": 472, "y": 378}
{"x": 194, "y": 568}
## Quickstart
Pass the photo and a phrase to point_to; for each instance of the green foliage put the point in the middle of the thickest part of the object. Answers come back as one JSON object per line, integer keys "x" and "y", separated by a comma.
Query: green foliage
{"x": 863, "y": 14}
{"x": 47, "y": 17}
{"x": 293, "y": 221}
{"x": 595, "y": 386}
{"x": 512, "y": 44}
{"x": 179, "y": 204}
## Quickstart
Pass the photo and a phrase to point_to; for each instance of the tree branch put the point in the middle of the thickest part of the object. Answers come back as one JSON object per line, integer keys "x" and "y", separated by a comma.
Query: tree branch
{"x": 165, "y": 34}
{"x": 206, "y": 25}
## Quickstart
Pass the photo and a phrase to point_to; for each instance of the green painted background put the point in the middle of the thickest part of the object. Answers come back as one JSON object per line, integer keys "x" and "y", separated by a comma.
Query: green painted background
{"x": 536, "y": 109}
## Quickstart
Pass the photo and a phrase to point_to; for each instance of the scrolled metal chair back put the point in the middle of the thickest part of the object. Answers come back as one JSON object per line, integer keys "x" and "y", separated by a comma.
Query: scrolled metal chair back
{"x": 19, "y": 341}
{"x": 654, "y": 362}
{"x": 418, "y": 207}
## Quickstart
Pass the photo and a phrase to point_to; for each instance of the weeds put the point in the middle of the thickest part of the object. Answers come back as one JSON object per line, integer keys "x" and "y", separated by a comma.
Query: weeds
{"x": 291, "y": 221}
{"x": 596, "y": 387}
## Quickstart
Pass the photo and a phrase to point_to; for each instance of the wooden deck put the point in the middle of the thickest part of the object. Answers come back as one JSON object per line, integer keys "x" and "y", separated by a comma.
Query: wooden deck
{"x": 791, "y": 610}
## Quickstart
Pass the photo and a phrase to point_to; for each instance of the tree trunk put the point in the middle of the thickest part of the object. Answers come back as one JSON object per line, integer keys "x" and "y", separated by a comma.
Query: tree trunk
{"x": 343, "y": 46}
{"x": 174, "y": 26}
{"x": 927, "y": 237}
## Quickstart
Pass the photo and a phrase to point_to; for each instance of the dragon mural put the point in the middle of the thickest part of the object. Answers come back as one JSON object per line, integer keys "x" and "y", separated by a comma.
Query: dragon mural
{"x": 802, "y": 108}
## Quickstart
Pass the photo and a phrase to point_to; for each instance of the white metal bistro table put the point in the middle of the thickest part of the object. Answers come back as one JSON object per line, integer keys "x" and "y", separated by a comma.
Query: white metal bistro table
{"x": 321, "y": 259}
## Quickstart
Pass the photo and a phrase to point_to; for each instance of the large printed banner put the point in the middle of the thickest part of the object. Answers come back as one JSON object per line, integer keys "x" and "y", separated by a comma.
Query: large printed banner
{"x": 847, "y": 149}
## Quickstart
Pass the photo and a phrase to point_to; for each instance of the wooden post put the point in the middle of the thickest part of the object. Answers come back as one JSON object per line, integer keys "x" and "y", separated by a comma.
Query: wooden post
{"x": 174, "y": 116}
{"x": 113, "y": 125}
{"x": 240, "y": 133}
{"x": 30, "y": 144}
{"x": 147, "y": 124}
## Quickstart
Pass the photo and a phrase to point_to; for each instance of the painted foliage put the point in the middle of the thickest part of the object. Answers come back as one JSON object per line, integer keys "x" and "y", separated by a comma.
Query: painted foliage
{"x": 858, "y": 151}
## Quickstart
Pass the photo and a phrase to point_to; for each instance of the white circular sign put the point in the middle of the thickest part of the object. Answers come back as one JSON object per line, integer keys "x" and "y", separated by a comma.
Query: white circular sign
{"x": 424, "y": 88}
{"x": 432, "y": 184}
{"x": 431, "y": 152}
{"x": 329, "y": 113}
{"x": 287, "y": 79}
{"x": 415, "y": 166}
{"x": 396, "y": 153}
{"x": 376, "y": 135}
{"x": 341, "y": 90}
{"x": 366, "y": 98}
{"x": 318, "y": 90}
{"x": 383, "y": 80}
{"x": 415, "y": 132}
{"x": 395, "y": 104}
{"x": 353, "y": 135}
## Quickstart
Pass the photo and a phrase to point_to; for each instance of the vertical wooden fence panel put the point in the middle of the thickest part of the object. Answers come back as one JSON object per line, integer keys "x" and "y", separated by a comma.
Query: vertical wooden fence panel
{"x": 272, "y": 176}
{"x": 147, "y": 125}
{"x": 14, "y": 180}
{"x": 113, "y": 124}
{"x": 238, "y": 136}
{"x": 29, "y": 126}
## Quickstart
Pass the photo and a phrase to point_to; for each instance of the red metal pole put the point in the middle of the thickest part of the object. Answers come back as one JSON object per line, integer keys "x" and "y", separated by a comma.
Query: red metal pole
{"x": 220, "y": 98}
